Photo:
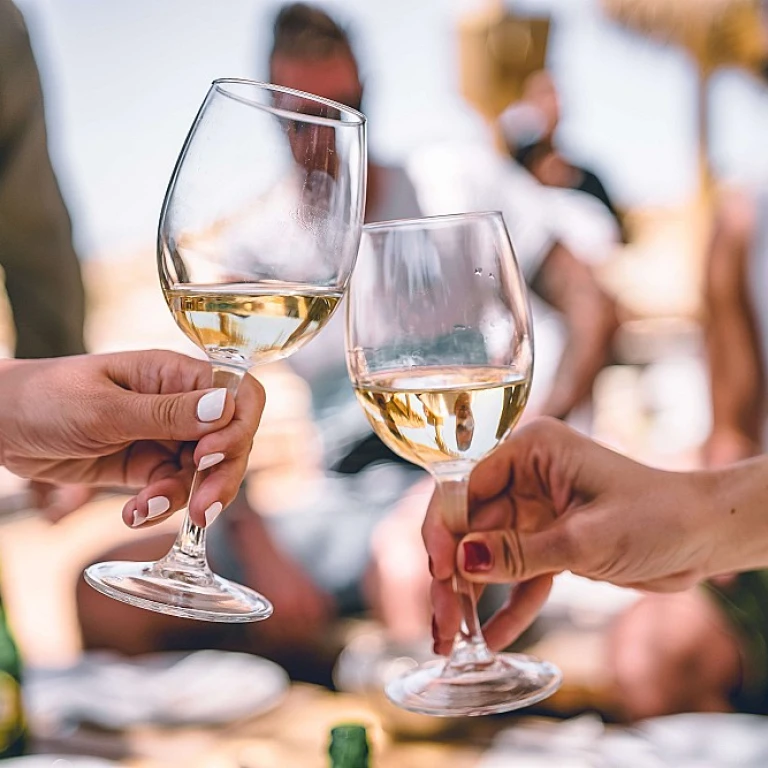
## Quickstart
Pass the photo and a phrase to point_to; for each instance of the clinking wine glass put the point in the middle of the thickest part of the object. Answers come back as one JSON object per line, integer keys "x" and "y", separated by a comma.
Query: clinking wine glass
{"x": 440, "y": 354}
{"x": 258, "y": 235}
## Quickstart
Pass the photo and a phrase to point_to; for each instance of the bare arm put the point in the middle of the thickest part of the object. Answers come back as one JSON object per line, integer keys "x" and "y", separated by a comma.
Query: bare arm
{"x": 590, "y": 316}
{"x": 736, "y": 374}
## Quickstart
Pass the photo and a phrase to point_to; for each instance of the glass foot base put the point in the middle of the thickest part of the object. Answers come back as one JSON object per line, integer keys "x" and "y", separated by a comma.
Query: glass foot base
{"x": 205, "y": 597}
{"x": 512, "y": 681}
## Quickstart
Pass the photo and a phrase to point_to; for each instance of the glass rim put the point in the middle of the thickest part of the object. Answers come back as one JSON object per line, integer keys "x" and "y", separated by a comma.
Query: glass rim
{"x": 424, "y": 221}
{"x": 358, "y": 118}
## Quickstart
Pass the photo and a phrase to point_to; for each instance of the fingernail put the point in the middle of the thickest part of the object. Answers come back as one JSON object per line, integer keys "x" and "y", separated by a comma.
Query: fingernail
{"x": 434, "y": 629}
{"x": 138, "y": 518}
{"x": 157, "y": 506}
{"x": 211, "y": 406}
{"x": 212, "y": 512}
{"x": 211, "y": 460}
{"x": 431, "y": 568}
{"x": 477, "y": 557}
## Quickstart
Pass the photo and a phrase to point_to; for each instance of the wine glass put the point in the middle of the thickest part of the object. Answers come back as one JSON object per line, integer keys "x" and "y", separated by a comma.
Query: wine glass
{"x": 258, "y": 235}
{"x": 440, "y": 354}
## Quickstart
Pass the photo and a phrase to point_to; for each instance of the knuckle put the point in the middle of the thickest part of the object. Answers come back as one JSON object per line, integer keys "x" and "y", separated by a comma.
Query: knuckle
{"x": 545, "y": 426}
{"x": 511, "y": 553}
{"x": 166, "y": 412}
{"x": 258, "y": 393}
{"x": 237, "y": 441}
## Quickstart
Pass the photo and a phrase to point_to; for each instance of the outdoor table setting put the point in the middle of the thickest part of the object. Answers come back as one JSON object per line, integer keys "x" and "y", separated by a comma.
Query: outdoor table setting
{"x": 188, "y": 710}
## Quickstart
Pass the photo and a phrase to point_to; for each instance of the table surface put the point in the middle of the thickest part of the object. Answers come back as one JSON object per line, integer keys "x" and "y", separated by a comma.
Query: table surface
{"x": 293, "y": 735}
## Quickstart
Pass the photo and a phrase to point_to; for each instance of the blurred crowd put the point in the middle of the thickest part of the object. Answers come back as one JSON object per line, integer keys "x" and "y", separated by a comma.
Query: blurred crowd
{"x": 351, "y": 547}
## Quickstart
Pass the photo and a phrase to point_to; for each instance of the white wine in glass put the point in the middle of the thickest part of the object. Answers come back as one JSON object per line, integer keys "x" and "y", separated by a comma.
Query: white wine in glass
{"x": 250, "y": 323}
{"x": 258, "y": 235}
{"x": 440, "y": 353}
{"x": 438, "y": 414}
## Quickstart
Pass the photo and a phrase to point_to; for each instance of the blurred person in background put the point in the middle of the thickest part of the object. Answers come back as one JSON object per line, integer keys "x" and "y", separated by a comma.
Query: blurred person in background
{"x": 528, "y": 128}
{"x": 42, "y": 271}
{"x": 574, "y": 319}
{"x": 312, "y": 53}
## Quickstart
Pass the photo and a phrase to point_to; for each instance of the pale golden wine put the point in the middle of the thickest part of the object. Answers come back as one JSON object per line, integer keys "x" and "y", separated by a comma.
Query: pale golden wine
{"x": 435, "y": 415}
{"x": 249, "y": 323}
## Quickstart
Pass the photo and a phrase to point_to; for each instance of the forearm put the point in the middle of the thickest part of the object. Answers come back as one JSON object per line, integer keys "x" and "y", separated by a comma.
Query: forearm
{"x": 584, "y": 356}
{"x": 732, "y": 342}
{"x": 590, "y": 318}
{"x": 736, "y": 384}
{"x": 738, "y": 517}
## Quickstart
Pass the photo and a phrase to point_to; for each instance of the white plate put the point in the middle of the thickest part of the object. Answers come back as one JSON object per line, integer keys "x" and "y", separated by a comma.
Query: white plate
{"x": 57, "y": 761}
{"x": 712, "y": 739}
{"x": 677, "y": 741}
{"x": 205, "y": 687}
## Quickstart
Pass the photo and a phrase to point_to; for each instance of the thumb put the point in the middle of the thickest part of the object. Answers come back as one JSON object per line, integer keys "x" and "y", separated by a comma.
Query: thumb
{"x": 500, "y": 557}
{"x": 180, "y": 416}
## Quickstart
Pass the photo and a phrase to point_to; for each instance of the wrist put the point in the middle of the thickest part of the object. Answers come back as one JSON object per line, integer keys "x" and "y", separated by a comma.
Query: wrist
{"x": 738, "y": 517}
{"x": 7, "y": 401}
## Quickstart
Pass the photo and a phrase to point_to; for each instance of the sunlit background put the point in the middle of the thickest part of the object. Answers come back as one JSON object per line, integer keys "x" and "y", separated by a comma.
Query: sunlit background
{"x": 123, "y": 81}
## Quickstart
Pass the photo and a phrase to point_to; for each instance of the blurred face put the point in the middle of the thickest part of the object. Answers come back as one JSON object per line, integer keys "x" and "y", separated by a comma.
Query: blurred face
{"x": 541, "y": 92}
{"x": 334, "y": 77}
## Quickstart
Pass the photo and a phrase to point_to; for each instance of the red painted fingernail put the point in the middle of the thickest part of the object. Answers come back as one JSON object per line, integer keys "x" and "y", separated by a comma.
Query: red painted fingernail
{"x": 477, "y": 557}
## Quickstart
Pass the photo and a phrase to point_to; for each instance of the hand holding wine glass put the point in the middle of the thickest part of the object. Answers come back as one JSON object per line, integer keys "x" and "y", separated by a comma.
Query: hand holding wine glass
{"x": 440, "y": 354}
{"x": 258, "y": 235}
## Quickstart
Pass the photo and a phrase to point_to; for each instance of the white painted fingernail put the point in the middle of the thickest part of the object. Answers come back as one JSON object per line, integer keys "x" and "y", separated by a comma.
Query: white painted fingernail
{"x": 138, "y": 518}
{"x": 212, "y": 512}
{"x": 211, "y": 406}
{"x": 157, "y": 506}
{"x": 211, "y": 460}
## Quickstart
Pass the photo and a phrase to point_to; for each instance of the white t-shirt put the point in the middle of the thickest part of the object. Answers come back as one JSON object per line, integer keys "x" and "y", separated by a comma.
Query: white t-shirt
{"x": 322, "y": 362}
{"x": 453, "y": 178}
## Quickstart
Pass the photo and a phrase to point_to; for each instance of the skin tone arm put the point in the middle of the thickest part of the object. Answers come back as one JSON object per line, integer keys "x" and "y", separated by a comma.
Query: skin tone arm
{"x": 550, "y": 500}
{"x": 736, "y": 372}
{"x": 136, "y": 419}
{"x": 590, "y": 316}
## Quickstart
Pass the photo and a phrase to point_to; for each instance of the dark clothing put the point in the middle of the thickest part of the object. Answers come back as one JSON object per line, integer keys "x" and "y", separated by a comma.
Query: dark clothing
{"x": 592, "y": 185}
{"x": 529, "y": 155}
{"x": 42, "y": 273}
{"x": 745, "y": 603}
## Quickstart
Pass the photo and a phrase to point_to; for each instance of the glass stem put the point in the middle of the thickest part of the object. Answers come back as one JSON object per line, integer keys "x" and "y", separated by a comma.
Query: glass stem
{"x": 469, "y": 649}
{"x": 188, "y": 551}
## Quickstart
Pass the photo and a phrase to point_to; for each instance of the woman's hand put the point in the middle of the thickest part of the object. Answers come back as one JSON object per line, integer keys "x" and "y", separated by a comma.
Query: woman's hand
{"x": 136, "y": 419}
{"x": 550, "y": 500}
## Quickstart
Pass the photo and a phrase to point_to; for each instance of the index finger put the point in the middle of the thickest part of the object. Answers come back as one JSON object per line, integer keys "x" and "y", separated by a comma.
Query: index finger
{"x": 157, "y": 371}
{"x": 440, "y": 542}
